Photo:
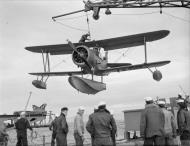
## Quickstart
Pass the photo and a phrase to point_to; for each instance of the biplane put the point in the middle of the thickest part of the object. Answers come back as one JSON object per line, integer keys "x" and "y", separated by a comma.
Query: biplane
{"x": 92, "y": 58}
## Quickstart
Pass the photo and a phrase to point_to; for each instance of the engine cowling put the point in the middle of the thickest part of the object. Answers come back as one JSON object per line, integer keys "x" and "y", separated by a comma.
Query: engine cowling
{"x": 157, "y": 75}
{"x": 78, "y": 57}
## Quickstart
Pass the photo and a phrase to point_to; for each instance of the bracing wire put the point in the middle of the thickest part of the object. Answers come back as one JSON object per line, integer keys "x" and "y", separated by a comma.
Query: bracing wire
{"x": 122, "y": 55}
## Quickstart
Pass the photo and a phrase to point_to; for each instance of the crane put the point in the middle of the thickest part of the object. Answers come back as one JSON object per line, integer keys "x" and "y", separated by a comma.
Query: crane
{"x": 107, "y": 4}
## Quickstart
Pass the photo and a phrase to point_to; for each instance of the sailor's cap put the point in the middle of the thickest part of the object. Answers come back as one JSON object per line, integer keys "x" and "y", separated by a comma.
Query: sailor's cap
{"x": 101, "y": 103}
{"x": 161, "y": 102}
{"x": 81, "y": 108}
{"x": 23, "y": 113}
{"x": 148, "y": 99}
{"x": 180, "y": 100}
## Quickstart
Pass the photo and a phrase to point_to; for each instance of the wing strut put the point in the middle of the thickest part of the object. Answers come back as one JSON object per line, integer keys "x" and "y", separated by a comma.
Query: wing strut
{"x": 46, "y": 61}
{"x": 145, "y": 51}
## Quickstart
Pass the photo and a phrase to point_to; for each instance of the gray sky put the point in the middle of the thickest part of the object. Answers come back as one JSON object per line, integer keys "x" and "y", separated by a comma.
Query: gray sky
{"x": 28, "y": 23}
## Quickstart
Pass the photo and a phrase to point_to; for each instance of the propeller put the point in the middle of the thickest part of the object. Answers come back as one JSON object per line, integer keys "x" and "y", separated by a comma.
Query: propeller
{"x": 80, "y": 54}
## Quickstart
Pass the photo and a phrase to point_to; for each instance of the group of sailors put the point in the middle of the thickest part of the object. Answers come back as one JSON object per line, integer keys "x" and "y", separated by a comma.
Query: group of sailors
{"x": 101, "y": 126}
{"x": 158, "y": 126}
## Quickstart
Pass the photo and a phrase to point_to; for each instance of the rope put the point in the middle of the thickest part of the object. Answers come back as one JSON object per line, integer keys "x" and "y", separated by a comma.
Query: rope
{"x": 71, "y": 27}
{"x": 71, "y": 18}
{"x": 87, "y": 20}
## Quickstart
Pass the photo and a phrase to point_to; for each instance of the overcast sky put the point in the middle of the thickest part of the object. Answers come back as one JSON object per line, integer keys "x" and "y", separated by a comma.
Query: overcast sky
{"x": 28, "y": 23}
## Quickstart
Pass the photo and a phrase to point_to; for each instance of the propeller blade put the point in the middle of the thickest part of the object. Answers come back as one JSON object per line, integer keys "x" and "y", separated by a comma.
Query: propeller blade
{"x": 81, "y": 56}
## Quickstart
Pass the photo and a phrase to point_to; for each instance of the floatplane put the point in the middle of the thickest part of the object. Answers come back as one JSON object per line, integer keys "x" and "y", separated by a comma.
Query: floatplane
{"x": 92, "y": 58}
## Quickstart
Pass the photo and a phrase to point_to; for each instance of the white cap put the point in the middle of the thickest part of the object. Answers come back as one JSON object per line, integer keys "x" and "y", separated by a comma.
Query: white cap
{"x": 179, "y": 100}
{"x": 81, "y": 108}
{"x": 161, "y": 102}
{"x": 101, "y": 103}
{"x": 148, "y": 99}
{"x": 180, "y": 93}
{"x": 22, "y": 113}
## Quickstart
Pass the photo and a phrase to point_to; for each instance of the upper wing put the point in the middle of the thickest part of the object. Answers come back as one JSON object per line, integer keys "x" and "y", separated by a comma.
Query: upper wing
{"x": 69, "y": 73}
{"x": 134, "y": 67}
{"x": 107, "y": 44}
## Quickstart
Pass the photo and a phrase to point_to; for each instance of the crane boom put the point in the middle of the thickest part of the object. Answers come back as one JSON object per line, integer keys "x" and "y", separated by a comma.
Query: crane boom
{"x": 27, "y": 101}
{"x": 96, "y": 6}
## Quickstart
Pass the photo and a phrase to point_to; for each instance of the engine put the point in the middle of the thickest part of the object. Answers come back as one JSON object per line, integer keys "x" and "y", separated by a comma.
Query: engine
{"x": 157, "y": 75}
{"x": 80, "y": 56}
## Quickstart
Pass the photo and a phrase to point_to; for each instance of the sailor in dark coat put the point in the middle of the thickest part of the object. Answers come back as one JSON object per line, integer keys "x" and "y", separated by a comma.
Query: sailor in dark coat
{"x": 183, "y": 121}
{"x": 152, "y": 124}
{"x": 22, "y": 125}
{"x": 52, "y": 127}
{"x": 62, "y": 128}
{"x": 100, "y": 125}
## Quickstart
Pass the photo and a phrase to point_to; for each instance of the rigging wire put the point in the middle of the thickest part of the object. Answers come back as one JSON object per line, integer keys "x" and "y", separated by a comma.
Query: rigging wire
{"x": 122, "y": 55}
{"x": 71, "y": 27}
{"x": 133, "y": 14}
{"x": 179, "y": 18}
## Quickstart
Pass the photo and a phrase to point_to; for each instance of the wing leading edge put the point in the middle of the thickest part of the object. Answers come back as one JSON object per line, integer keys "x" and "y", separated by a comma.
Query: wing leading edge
{"x": 106, "y": 71}
{"x": 107, "y": 44}
{"x": 69, "y": 73}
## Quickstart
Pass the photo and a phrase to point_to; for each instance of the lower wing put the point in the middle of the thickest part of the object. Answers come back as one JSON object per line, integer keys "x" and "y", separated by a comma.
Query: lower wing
{"x": 135, "y": 67}
{"x": 69, "y": 73}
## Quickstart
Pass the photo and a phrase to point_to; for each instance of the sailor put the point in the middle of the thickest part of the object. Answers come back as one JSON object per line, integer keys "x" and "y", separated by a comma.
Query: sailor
{"x": 84, "y": 37}
{"x": 113, "y": 132}
{"x": 62, "y": 128}
{"x": 92, "y": 130}
{"x": 21, "y": 126}
{"x": 169, "y": 126}
{"x": 3, "y": 134}
{"x": 183, "y": 121}
{"x": 52, "y": 127}
{"x": 100, "y": 125}
{"x": 79, "y": 127}
{"x": 152, "y": 124}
